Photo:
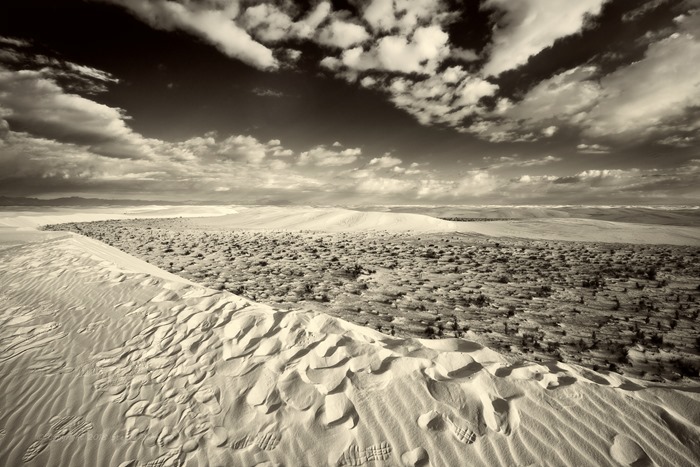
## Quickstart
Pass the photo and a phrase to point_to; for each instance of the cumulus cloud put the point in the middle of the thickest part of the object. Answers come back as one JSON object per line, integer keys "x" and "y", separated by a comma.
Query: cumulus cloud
{"x": 422, "y": 52}
{"x": 385, "y": 162}
{"x": 211, "y": 21}
{"x": 530, "y": 26}
{"x": 321, "y": 156}
{"x": 38, "y": 104}
{"x": 342, "y": 34}
{"x": 664, "y": 84}
{"x": 403, "y": 15}
{"x": 656, "y": 96}
{"x": 447, "y": 97}
{"x": 267, "y": 22}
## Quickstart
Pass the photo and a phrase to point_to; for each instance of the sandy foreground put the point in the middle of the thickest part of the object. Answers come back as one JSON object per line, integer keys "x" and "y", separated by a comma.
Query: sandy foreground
{"x": 107, "y": 360}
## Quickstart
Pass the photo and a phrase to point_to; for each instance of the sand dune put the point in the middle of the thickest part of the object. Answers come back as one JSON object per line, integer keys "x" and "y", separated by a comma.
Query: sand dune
{"x": 20, "y": 226}
{"x": 41, "y": 216}
{"x": 325, "y": 219}
{"x": 588, "y": 230}
{"x": 105, "y": 362}
{"x": 335, "y": 220}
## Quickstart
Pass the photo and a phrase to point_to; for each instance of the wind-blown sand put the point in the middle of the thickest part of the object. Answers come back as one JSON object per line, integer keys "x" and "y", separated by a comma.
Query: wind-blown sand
{"x": 107, "y": 362}
{"x": 337, "y": 220}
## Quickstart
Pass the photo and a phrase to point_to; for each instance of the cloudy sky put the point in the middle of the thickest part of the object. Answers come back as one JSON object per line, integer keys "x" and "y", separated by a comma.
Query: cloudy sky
{"x": 352, "y": 102}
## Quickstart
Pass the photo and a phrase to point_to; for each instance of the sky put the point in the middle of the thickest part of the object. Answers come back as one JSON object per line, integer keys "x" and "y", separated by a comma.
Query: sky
{"x": 352, "y": 102}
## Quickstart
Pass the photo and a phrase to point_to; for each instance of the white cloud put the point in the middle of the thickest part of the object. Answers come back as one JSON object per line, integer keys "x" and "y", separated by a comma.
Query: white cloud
{"x": 403, "y": 15}
{"x": 14, "y": 42}
{"x": 636, "y": 99}
{"x": 267, "y": 22}
{"x": 530, "y": 26}
{"x": 342, "y": 34}
{"x": 447, "y": 97}
{"x": 308, "y": 26}
{"x": 39, "y": 104}
{"x": 92, "y": 73}
{"x": 421, "y": 53}
{"x": 385, "y": 162}
{"x": 214, "y": 24}
{"x": 320, "y": 156}
{"x": 593, "y": 148}
{"x": 465, "y": 55}
{"x": 550, "y": 131}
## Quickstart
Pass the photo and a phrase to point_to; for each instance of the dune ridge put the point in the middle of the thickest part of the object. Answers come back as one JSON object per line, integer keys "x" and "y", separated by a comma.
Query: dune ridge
{"x": 346, "y": 220}
{"x": 105, "y": 363}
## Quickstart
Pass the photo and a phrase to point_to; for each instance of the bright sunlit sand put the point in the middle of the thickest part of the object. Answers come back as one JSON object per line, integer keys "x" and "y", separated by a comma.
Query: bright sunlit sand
{"x": 108, "y": 360}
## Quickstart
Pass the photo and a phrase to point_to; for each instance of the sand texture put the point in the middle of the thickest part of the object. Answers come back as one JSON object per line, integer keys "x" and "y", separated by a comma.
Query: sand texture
{"x": 107, "y": 362}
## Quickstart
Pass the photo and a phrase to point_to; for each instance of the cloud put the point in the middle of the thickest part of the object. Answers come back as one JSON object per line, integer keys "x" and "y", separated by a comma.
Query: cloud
{"x": 530, "y": 26}
{"x": 263, "y": 92}
{"x": 663, "y": 85}
{"x": 267, "y": 22}
{"x": 235, "y": 148}
{"x": 38, "y": 104}
{"x": 403, "y": 15}
{"x": 385, "y": 162}
{"x": 646, "y": 7}
{"x": 321, "y": 156}
{"x": 447, "y": 97}
{"x": 14, "y": 42}
{"x": 421, "y": 53}
{"x": 464, "y": 55}
{"x": 212, "y": 22}
{"x": 592, "y": 148}
{"x": 92, "y": 73}
{"x": 342, "y": 34}
{"x": 505, "y": 162}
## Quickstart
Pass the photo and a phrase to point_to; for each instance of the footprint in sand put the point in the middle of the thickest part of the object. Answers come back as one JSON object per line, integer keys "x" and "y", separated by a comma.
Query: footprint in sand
{"x": 415, "y": 458}
{"x": 172, "y": 459}
{"x": 434, "y": 421}
{"x": 499, "y": 415}
{"x": 627, "y": 452}
{"x": 60, "y": 428}
{"x": 355, "y": 456}
{"x": 265, "y": 441}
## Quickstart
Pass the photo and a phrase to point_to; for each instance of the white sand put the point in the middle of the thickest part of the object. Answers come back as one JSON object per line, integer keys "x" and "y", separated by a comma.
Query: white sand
{"x": 104, "y": 361}
{"x": 20, "y": 226}
{"x": 335, "y": 220}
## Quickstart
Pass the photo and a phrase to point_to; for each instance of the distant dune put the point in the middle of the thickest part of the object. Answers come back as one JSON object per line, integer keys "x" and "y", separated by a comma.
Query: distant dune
{"x": 666, "y": 215}
{"x": 336, "y": 219}
{"x": 107, "y": 361}
{"x": 326, "y": 219}
{"x": 20, "y": 226}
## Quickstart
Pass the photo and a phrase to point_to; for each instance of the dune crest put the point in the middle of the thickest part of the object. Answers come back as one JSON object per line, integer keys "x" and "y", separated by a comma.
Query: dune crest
{"x": 106, "y": 363}
{"x": 346, "y": 220}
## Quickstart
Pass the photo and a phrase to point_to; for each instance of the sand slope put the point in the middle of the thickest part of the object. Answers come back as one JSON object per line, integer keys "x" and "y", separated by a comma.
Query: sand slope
{"x": 103, "y": 363}
{"x": 345, "y": 220}
{"x": 588, "y": 230}
{"x": 325, "y": 219}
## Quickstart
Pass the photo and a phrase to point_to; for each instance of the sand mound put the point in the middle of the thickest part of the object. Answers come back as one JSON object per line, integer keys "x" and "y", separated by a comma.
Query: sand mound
{"x": 588, "y": 230}
{"x": 345, "y": 220}
{"x": 325, "y": 219}
{"x": 105, "y": 363}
